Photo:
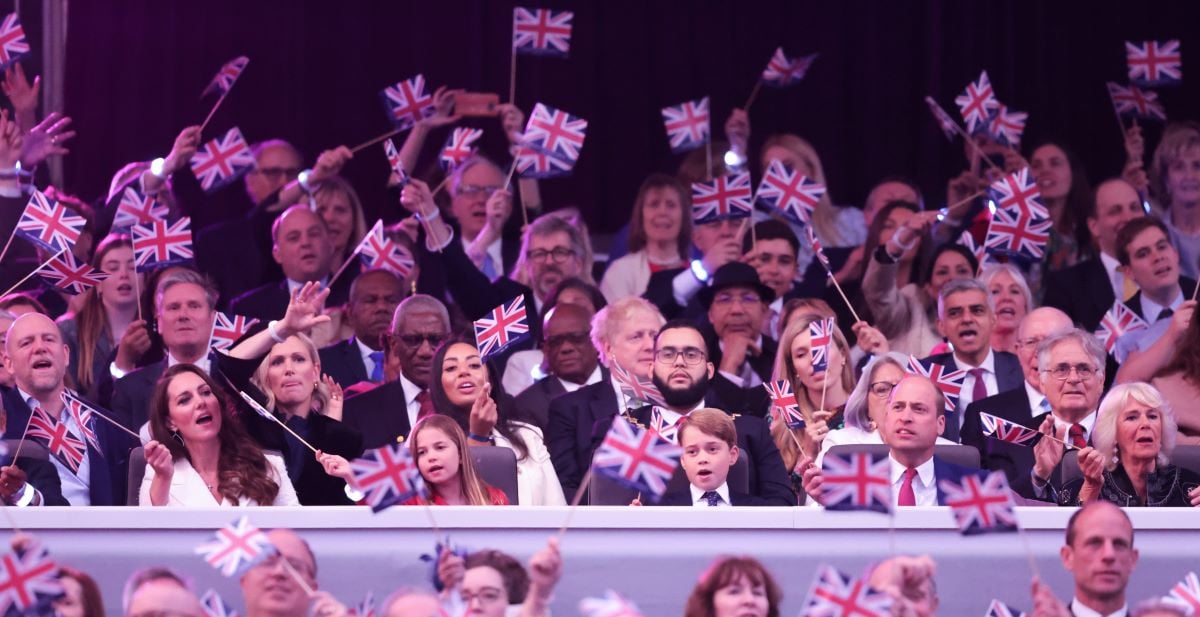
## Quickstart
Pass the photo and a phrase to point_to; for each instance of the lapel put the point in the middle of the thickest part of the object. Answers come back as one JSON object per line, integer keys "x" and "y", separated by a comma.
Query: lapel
{"x": 1008, "y": 373}
{"x": 1097, "y": 283}
{"x": 355, "y": 359}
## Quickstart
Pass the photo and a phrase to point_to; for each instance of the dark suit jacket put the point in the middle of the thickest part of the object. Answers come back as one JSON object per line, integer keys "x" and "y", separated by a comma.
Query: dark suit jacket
{"x": 1082, "y": 291}
{"x": 1022, "y": 464}
{"x": 994, "y": 454}
{"x": 131, "y": 395}
{"x": 343, "y": 362}
{"x": 108, "y": 470}
{"x": 1134, "y": 303}
{"x": 578, "y": 421}
{"x": 684, "y": 498}
{"x": 270, "y": 301}
{"x": 769, "y": 479}
{"x": 762, "y": 364}
{"x": 43, "y": 476}
{"x": 534, "y": 401}
{"x": 379, "y": 414}
{"x": 1008, "y": 377}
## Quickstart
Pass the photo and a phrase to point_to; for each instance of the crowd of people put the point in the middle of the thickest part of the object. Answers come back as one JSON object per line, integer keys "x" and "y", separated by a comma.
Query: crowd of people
{"x": 346, "y": 358}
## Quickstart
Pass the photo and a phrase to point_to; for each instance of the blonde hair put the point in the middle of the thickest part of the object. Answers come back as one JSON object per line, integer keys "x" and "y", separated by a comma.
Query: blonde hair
{"x": 474, "y": 489}
{"x": 320, "y": 395}
{"x": 1177, "y": 138}
{"x": 785, "y": 369}
{"x": 609, "y": 318}
{"x": 338, "y": 184}
{"x": 1104, "y": 434}
{"x": 824, "y": 216}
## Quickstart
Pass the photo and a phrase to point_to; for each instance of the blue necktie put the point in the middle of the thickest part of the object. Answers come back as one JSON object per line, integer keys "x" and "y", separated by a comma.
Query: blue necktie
{"x": 377, "y": 371}
{"x": 489, "y": 267}
{"x": 712, "y": 498}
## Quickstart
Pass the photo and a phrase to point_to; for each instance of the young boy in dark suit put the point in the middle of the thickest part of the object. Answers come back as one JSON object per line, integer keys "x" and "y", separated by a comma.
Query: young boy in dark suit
{"x": 709, "y": 442}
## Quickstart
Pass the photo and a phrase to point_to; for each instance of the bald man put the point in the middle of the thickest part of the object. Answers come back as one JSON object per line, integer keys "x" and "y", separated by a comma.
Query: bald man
{"x": 36, "y": 356}
{"x": 569, "y": 359}
{"x": 303, "y": 248}
{"x": 1020, "y": 405}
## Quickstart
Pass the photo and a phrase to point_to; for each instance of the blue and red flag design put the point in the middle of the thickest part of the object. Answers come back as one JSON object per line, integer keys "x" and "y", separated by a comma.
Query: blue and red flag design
{"x": 637, "y": 458}
{"x": 723, "y": 197}
{"x": 688, "y": 125}
{"x": 222, "y": 160}
{"x": 505, "y": 325}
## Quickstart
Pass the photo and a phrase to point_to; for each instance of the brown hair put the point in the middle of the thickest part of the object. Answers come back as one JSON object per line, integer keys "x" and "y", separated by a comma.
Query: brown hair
{"x": 712, "y": 422}
{"x": 242, "y": 469}
{"x": 725, "y": 571}
{"x": 92, "y": 320}
{"x": 1176, "y": 138}
{"x": 89, "y": 596}
{"x": 637, "y": 223}
{"x": 474, "y": 489}
{"x": 1187, "y": 356}
{"x": 1132, "y": 229}
{"x": 516, "y": 579}
{"x": 814, "y": 305}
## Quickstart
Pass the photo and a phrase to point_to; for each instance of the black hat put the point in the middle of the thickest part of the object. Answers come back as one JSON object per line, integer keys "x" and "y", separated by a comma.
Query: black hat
{"x": 735, "y": 274}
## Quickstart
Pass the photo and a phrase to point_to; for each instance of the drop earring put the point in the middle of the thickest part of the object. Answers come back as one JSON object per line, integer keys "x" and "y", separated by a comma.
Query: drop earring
{"x": 176, "y": 436}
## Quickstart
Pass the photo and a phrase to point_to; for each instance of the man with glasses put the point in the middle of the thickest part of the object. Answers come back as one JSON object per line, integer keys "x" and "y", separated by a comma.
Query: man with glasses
{"x": 374, "y": 295}
{"x": 682, "y": 373}
{"x": 387, "y": 413}
{"x": 737, "y": 306}
{"x": 570, "y": 361}
{"x": 1019, "y": 405}
{"x": 273, "y": 588}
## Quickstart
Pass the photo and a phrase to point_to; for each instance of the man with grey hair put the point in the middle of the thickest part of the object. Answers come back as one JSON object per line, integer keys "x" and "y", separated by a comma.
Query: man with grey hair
{"x": 966, "y": 318}
{"x": 1019, "y": 405}
{"x": 389, "y": 411}
{"x": 183, "y": 309}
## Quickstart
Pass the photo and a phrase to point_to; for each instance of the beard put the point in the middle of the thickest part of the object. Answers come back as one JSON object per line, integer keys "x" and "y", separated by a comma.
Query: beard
{"x": 682, "y": 397}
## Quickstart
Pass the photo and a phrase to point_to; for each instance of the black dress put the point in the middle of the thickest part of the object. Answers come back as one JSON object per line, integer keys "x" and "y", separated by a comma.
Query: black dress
{"x": 1166, "y": 486}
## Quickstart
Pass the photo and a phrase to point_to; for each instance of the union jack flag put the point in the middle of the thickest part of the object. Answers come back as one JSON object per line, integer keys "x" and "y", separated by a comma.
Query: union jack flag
{"x": 226, "y": 76}
{"x": 504, "y": 326}
{"x": 387, "y": 476}
{"x": 1118, "y": 321}
{"x": 1017, "y": 234}
{"x": 950, "y": 383}
{"x": 637, "y": 391}
{"x": 723, "y": 197}
{"x": 857, "y": 483}
{"x": 67, "y": 275}
{"x": 1187, "y": 593}
{"x": 1007, "y": 126}
{"x": 1154, "y": 63}
{"x": 555, "y": 132}
{"x": 229, "y": 329}
{"x": 12, "y": 41}
{"x": 160, "y": 244}
{"x": 789, "y": 192}
{"x": 393, "y": 157}
{"x": 49, "y": 224}
{"x": 533, "y": 163}
{"x": 542, "y": 31}
{"x": 84, "y": 416}
{"x": 60, "y": 440}
{"x": 1135, "y": 102}
{"x": 1000, "y": 609}
{"x": 214, "y": 606}
{"x": 258, "y": 408}
{"x": 611, "y": 605}
{"x": 407, "y": 102}
{"x": 818, "y": 250}
{"x": 783, "y": 403}
{"x": 222, "y": 160}
{"x": 237, "y": 547}
{"x": 29, "y": 582}
{"x": 460, "y": 145}
{"x": 379, "y": 251}
{"x": 782, "y": 71}
{"x": 977, "y": 103}
{"x": 947, "y": 123}
{"x": 688, "y": 125}
{"x": 366, "y": 608}
{"x": 637, "y": 458}
{"x": 821, "y": 332}
{"x": 834, "y": 594}
{"x": 967, "y": 241}
{"x": 1007, "y": 430}
{"x": 1019, "y": 191}
{"x": 138, "y": 209}
{"x": 980, "y": 504}
{"x": 659, "y": 424}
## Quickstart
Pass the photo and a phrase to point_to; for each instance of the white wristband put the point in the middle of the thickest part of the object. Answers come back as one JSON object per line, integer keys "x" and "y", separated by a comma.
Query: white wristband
{"x": 272, "y": 329}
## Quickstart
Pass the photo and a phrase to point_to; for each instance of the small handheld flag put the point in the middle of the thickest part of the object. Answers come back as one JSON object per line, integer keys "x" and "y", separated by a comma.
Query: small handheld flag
{"x": 237, "y": 547}
{"x": 221, "y": 161}
{"x": 538, "y": 165}
{"x": 1154, "y": 63}
{"x": 49, "y": 224}
{"x": 1008, "y": 431}
{"x": 1018, "y": 192}
{"x": 1135, "y": 102}
{"x": 58, "y": 438}
{"x": 782, "y": 71}
{"x": 945, "y": 121}
{"x": 64, "y": 273}
{"x": 387, "y": 476}
{"x": 29, "y": 582}
{"x": 506, "y": 325}
{"x": 214, "y": 606}
{"x": 1187, "y": 593}
{"x": 397, "y": 165}
{"x": 783, "y": 403}
{"x": 378, "y": 251}
{"x": 666, "y": 430}
{"x": 637, "y": 391}
{"x": 821, "y": 332}
{"x": 407, "y": 102}
{"x": 950, "y": 383}
{"x": 688, "y": 125}
{"x": 1118, "y": 321}
{"x": 981, "y": 504}
{"x": 366, "y": 608}
{"x": 13, "y": 45}
{"x": 555, "y": 132}
{"x": 161, "y": 244}
{"x": 836, "y": 594}
{"x": 611, "y": 605}
{"x": 789, "y": 192}
{"x": 226, "y": 76}
{"x": 460, "y": 145}
{"x": 723, "y": 197}
{"x": 1007, "y": 126}
{"x": 542, "y": 32}
{"x": 637, "y": 458}
{"x": 138, "y": 209}
{"x": 228, "y": 329}
{"x": 977, "y": 103}
{"x": 1000, "y": 609}
{"x": 857, "y": 483}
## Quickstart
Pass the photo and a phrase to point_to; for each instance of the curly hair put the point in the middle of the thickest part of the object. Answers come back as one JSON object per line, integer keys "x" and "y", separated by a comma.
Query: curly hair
{"x": 242, "y": 469}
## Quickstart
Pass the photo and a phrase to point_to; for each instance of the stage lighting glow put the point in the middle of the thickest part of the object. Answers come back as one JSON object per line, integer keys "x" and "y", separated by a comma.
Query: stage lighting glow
{"x": 733, "y": 159}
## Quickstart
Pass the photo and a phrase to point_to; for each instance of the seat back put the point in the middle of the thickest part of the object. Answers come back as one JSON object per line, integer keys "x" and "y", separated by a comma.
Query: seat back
{"x": 603, "y": 491}
{"x": 137, "y": 471}
{"x": 497, "y": 467}
{"x": 963, "y": 456}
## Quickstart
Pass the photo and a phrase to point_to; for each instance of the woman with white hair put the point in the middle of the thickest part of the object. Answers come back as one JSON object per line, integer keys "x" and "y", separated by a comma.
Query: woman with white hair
{"x": 1129, "y": 461}
{"x": 1011, "y": 301}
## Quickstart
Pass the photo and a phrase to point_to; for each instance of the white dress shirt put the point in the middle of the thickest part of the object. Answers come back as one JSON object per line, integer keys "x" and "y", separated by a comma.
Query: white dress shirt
{"x": 746, "y": 377}
{"x": 205, "y": 363}
{"x": 494, "y": 251}
{"x": 1079, "y": 610}
{"x": 188, "y": 488}
{"x": 294, "y": 286}
{"x": 366, "y": 352}
{"x": 854, "y": 435}
{"x": 75, "y": 484}
{"x": 571, "y": 386}
{"x": 1035, "y": 400}
{"x": 1115, "y": 277}
{"x": 989, "y": 381}
{"x": 413, "y": 407}
{"x": 1141, "y": 340}
{"x": 537, "y": 482}
{"x": 924, "y": 485}
{"x": 699, "y": 501}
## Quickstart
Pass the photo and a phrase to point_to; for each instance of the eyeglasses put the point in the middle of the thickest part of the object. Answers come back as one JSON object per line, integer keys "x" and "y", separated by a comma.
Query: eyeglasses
{"x": 881, "y": 388}
{"x": 1030, "y": 342}
{"x": 297, "y": 564}
{"x": 668, "y": 355}
{"x": 485, "y": 597}
{"x": 558, "y": 255}
{"x": 474, "y": 190}
{"x": 414, "y": 340}
{"x": 1062, "y": 372}
{"x": 278, "y": 172}
{"x": 575, "y": 338}
{"x": 726, "y": 298}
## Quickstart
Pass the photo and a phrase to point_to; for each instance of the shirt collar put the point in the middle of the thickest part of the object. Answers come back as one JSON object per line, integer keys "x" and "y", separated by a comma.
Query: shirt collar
{"x": 988, "y": 365}
{"x": 1035, "y": 399}
{"x": 1079, "y": 610}
{"x": 673, "y": 417}
{"x": 31, "y": 401}
{"x": 1150, "y": 307}
{"x": 723, "y": 491}
{"x": 571, "y": 387}
{"x": 295, "y": 285}
{"x": 924, "y": 472}
{"x": 363, "y": 349}
{"x": 1088, "y": 422}
{"x": 411, "y": 390}
{"x": 204, "y": 362}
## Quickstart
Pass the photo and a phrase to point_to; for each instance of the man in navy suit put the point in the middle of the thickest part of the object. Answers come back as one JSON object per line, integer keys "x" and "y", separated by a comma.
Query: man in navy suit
{"x": 916, "y": 415}
{"x": 570, "y": 358}
{"x": 966, "y": 318}
{"x": 36, "y": 356}
{"x": 374, "y": 295}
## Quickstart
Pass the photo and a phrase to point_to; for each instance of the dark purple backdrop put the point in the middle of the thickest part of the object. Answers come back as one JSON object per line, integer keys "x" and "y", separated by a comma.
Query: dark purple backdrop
{"x": 135, "y": 68}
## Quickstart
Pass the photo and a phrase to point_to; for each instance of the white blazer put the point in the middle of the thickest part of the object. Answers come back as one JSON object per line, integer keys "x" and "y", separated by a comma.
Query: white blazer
{"x": 188, "y": 488}
{"x": 537, "y": 482}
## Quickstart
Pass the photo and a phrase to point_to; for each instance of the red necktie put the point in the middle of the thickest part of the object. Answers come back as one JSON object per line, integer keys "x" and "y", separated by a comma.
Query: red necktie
{"x": 426, "y": 405}
{"x": 1076, "y": 434}
{"x": 907, "y": 496}
{"x": 979, "y": 390}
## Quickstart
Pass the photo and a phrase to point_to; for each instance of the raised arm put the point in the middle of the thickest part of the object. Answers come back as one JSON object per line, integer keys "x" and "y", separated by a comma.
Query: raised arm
{"x": 303, "y": 312}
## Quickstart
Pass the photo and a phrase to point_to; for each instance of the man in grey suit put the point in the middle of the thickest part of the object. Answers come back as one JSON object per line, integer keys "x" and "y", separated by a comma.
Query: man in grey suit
{"x": 571, "y": 361}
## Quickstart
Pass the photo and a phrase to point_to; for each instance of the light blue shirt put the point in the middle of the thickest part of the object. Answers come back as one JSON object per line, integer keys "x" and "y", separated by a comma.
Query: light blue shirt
{"x": 74, "y": 483}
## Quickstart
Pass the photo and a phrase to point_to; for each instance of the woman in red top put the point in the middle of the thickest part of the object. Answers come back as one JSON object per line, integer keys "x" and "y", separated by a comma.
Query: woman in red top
{"x": 439, "y": 446}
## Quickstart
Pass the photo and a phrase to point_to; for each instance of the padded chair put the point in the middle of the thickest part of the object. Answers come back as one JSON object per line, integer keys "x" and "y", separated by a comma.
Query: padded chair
{"x": 1187, "y": 457}
{"x": 497, "y": 467}
{"x": 603, "y": 491}
{"x": 31, "y": 449}
{"x": 137, "y": 471}
{"x": 963, "y": 456}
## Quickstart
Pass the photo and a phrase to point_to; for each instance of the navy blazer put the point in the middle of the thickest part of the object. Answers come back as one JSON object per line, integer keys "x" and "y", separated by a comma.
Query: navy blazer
{"x": 684, "y": 498}
{"x": 1082, "y": 291}
{"x": 108, "y": 470}
{"x": 1014, "y": 460}
{"x": 344, "y": 363}
{"x": 270, "y": 301}
{"x": 379, "y": 414}
{"x": 578, "y": 422}
{"x": 534, "y": 401}
{"x": 1009, "y": 376}
{"x": 131, "y": 395}
{"x": 1134, "y": 303}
